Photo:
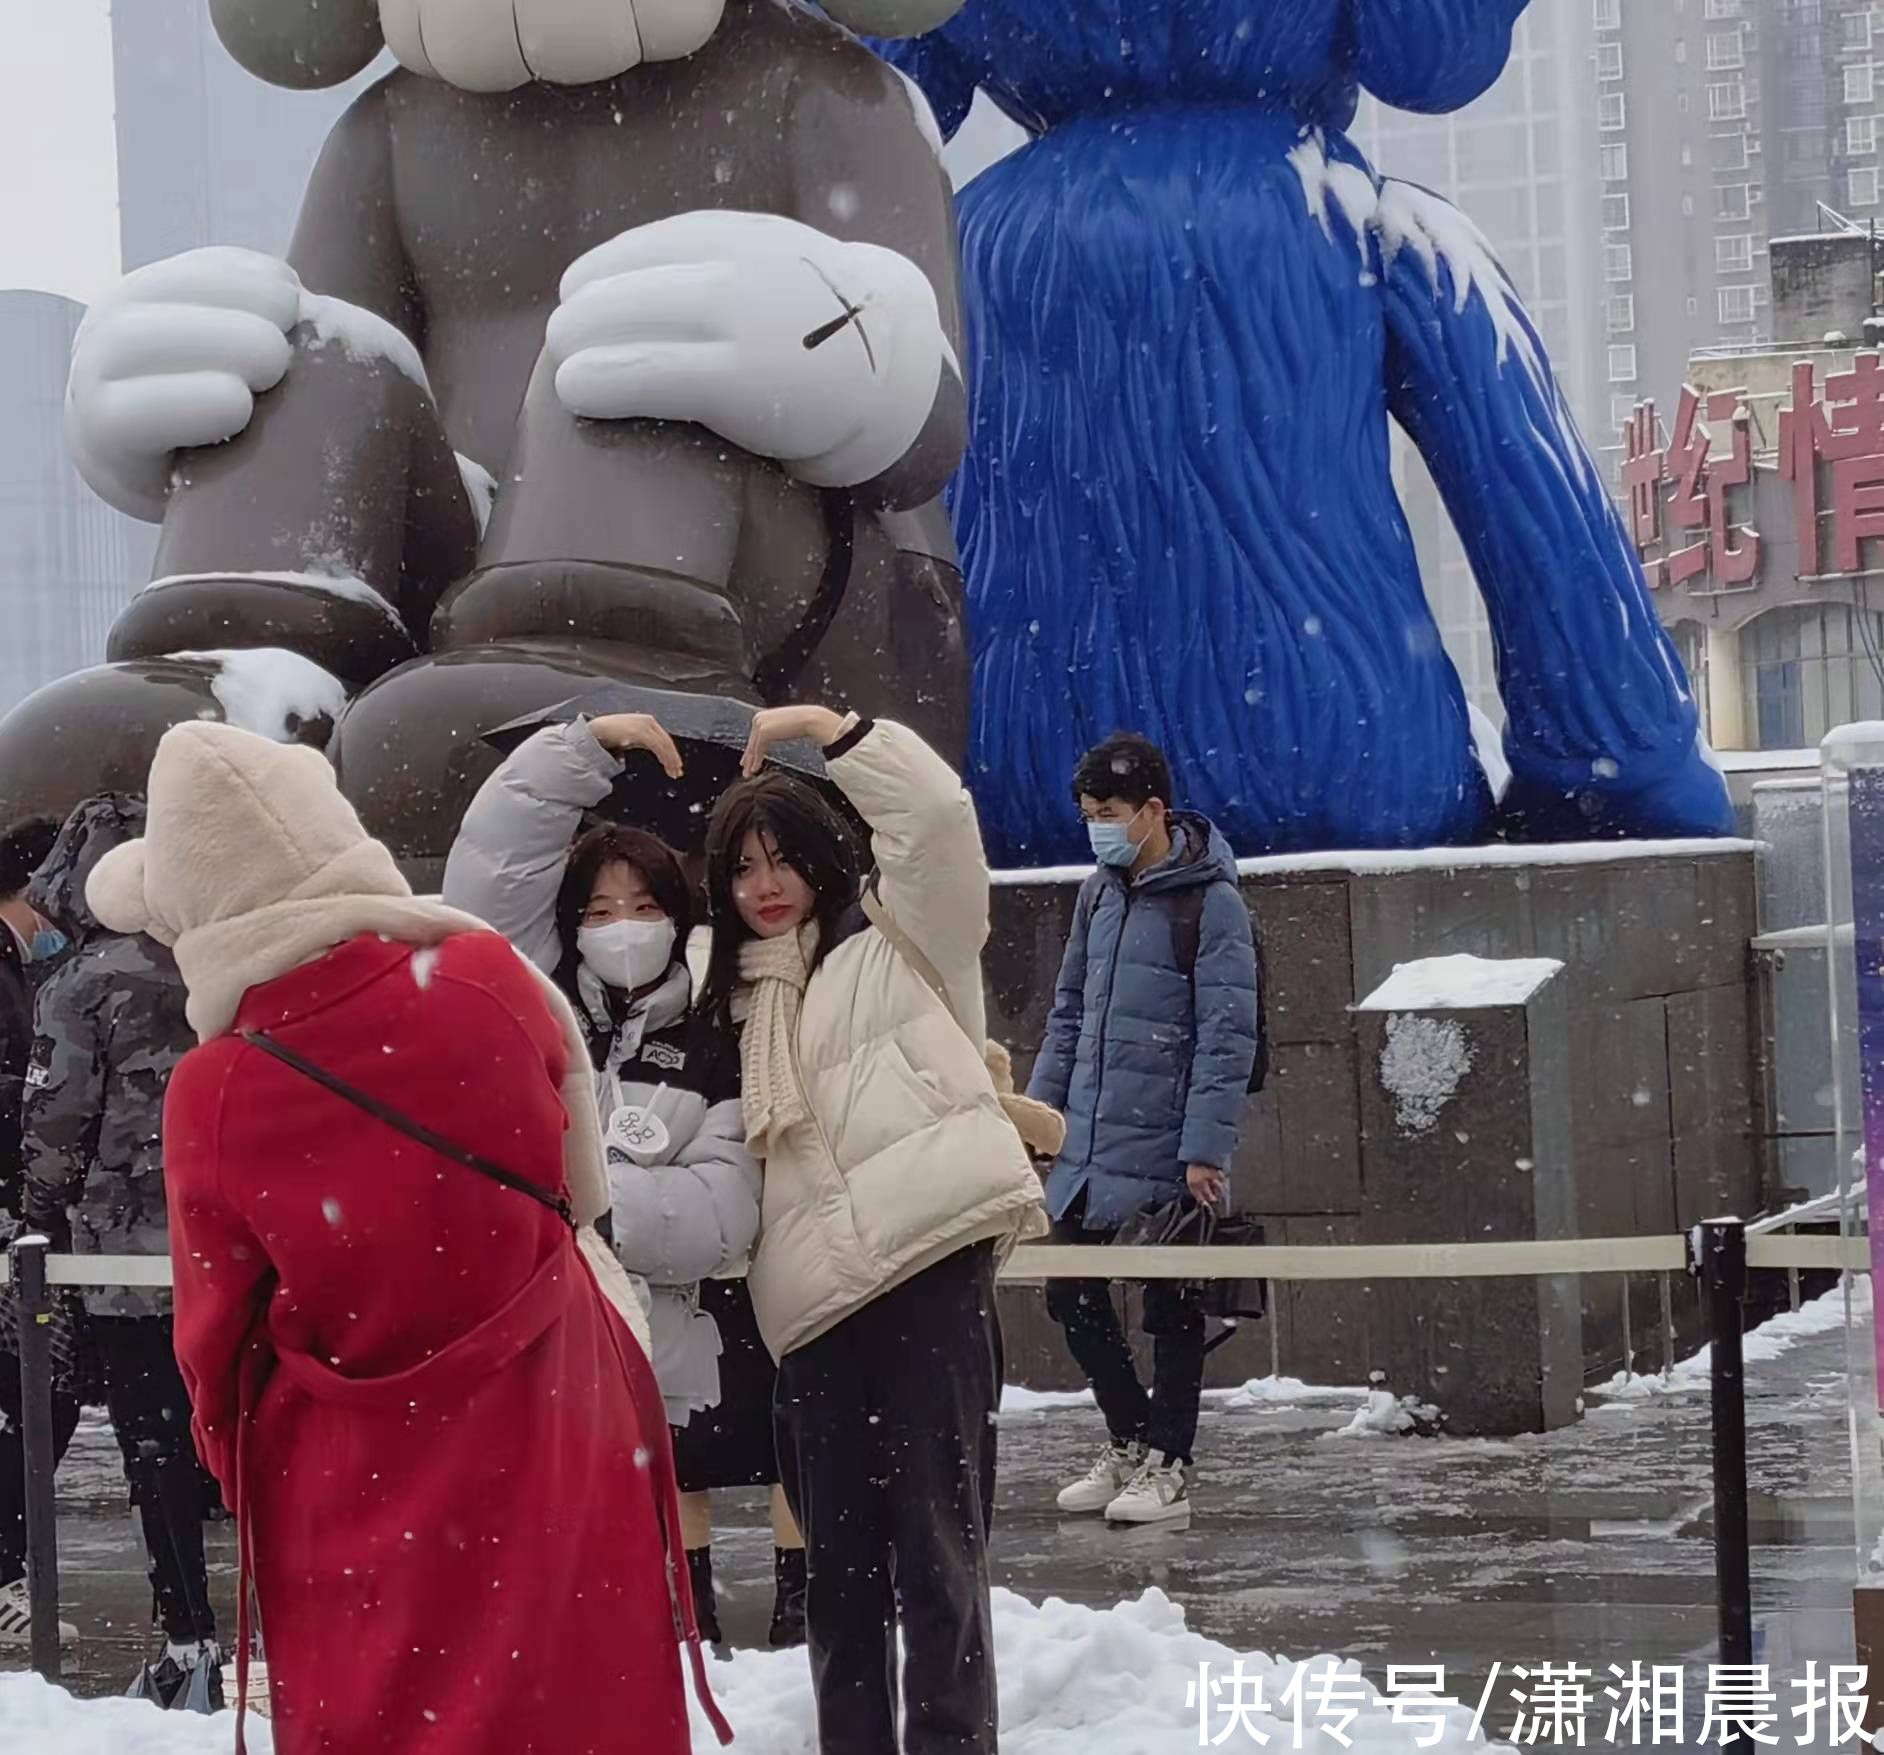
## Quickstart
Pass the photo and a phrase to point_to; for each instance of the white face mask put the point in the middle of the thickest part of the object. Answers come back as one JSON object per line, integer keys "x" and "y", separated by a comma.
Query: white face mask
{"x": 627, "y": 954}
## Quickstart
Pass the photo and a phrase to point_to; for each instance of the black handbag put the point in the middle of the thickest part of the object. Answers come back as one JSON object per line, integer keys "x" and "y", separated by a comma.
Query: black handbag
{"x": 1188, "y": 1222}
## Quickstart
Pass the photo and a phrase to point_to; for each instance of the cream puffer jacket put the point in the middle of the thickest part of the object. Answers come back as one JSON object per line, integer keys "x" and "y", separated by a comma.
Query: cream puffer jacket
{"x": 909, "y": 1155}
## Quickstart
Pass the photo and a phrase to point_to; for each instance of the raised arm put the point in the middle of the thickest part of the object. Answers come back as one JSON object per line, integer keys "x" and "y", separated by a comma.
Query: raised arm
{"x": 507, "y": 863}
{"x": 1602, "y": 731}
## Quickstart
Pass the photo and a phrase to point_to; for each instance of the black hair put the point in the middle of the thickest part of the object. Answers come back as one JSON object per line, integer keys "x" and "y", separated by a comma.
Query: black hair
{"x": 659, "y": 866}
{"x": 1127, "y": 767}
{"x": 810, "y": 837}
{"x": 23, "y": 850}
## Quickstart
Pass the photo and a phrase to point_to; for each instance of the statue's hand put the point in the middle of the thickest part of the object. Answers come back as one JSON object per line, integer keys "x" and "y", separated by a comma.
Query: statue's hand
{"x": 173, "y": 356}
{"x": 821, "y": 354}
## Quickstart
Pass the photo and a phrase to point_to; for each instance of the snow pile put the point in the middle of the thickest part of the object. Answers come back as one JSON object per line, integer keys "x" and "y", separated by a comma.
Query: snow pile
{"x": 1772, "y": 1340}
{"x": 1279, "y": 1392}
{"x": 1079, "y": 1681}
{"x": 1386, "y": 1415}
{"x": 362, "y": 335}
{"x": 270, "y": 691}
{"x": 39, "y": 1719}
{"x": 334, "y": 584}
{"x": 1074, "y": 1681}
{"x": 1460, "y": 983}
{"x": 1017, "y": 1399}
{"x": 480, "y": 488}
{"x": 1420, "y": 1068}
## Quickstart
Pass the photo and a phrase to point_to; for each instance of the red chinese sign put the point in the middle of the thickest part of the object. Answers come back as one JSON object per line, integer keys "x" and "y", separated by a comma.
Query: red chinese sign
{"x": 1683, "y": 494}
{"x": 1731, "y": 553}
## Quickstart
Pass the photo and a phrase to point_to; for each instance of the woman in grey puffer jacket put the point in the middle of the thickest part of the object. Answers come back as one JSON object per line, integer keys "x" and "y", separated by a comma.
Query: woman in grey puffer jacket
{"x": 607, "y": 913}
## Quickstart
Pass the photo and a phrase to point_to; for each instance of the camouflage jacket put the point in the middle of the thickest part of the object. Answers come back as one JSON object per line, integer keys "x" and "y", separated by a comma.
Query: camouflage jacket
{"x": 109, "y": 1028}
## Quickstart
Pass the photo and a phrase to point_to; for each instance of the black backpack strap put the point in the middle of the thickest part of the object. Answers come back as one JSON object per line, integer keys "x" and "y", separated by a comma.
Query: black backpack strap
{"x": 384, "y": 1112}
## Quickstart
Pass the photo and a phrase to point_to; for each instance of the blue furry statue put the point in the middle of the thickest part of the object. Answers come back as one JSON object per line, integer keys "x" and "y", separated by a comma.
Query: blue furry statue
{"x": 1194, "y": 304}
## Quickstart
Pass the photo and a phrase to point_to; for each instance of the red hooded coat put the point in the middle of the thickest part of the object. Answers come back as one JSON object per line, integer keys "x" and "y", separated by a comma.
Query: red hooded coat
{"x": 447, "y": 1454}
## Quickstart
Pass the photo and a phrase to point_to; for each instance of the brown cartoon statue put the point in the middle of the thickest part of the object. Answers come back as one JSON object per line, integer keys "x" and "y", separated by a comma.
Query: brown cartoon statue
{"x": 618, "y": 340}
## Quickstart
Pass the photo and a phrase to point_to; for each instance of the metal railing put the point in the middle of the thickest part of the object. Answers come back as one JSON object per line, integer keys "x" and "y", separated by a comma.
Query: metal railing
{"x": 1719, "y": 1253}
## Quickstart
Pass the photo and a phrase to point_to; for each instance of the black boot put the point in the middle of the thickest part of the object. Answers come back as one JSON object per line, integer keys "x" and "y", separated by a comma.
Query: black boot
{"x": 788, "y": 1598}
{"x": 706, "y": 1608}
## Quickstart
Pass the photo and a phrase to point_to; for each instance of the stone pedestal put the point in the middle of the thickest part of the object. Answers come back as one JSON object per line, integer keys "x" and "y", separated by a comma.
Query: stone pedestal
{"x": 1465, "y": 1135}
{"x": 1660, "y": 1069}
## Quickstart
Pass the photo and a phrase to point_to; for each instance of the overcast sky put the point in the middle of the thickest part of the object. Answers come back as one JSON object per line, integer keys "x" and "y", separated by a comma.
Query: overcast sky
{"x": 59, "y": 196}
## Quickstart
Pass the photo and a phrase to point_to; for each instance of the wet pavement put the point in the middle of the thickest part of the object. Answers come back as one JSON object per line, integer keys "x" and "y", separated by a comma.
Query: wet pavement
{"x": 1592, "y": 1544}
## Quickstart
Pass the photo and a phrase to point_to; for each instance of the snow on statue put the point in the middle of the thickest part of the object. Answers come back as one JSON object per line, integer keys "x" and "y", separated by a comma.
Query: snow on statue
{"x": 1195, "y": 307}
{"x": 677, "y": 275}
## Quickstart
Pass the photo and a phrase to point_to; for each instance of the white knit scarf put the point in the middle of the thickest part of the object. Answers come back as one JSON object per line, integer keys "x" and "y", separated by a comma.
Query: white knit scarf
{"x": 773, "y": 974}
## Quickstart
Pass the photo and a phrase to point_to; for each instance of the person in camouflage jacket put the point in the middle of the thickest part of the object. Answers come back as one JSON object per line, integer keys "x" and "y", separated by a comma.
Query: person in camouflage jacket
{"x": 108, "y": 1030}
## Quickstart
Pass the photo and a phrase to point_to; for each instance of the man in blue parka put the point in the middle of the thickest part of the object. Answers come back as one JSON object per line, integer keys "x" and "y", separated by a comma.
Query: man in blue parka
{"x": 1149, "y": 1051}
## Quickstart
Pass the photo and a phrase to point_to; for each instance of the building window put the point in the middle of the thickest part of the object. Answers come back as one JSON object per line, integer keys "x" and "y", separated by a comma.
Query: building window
{"x": 1860, "y": 83}
{"x": 1609, "y": 14}
{"x": 1733, "y": 201}
{"x": 1609, "y": 60}
{"x": 1621, "y": 307}
{"x": 1861, "y": 185}
{"x": 1622, "y": 363}
{"x": 1616, "y": 163}
{"x": 1618, "y": 262}
{"x": 1727, "y": 102}
{"x": 1615, "y": 213}
{"x": 1730, "y": 152}
{"x": 1807, "y": 668}
{"x": 1735, "y": 304}
{"x": 1857, "y": 30}
{"x": 1860, "y": 135}
{"x": 1611, "y": 112}
{"x": 1725, "y": 51}
{"x": 1733, "y": 255}
{"x": 1723, "y": 9}
{"x": 1621, "y": 411}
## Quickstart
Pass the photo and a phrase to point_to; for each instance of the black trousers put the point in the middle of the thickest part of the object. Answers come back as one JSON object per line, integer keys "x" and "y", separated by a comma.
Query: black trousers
{"x": 150, "y": 1413}
{"x": 886, "y": 1445}
{"x": 1165, "y": 1419}
{"x": 65, "y": 1418}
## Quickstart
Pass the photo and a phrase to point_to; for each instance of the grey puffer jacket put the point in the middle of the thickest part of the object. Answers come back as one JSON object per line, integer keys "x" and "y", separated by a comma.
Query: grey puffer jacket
{"x": 684, "y": 1190}
{"x": 1150, "y": 1061}
{"x": 109, "y": 1029}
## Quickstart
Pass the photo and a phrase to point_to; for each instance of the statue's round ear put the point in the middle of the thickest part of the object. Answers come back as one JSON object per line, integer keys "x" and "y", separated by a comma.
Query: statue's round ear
{"x": 892, "y": 18}
{"x": 301, "y": 44}
{"x": 1431, "y": 55}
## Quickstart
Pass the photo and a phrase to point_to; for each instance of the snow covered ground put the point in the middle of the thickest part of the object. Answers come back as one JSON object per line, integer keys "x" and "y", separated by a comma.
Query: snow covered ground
{"x": 1074, "y": 1681}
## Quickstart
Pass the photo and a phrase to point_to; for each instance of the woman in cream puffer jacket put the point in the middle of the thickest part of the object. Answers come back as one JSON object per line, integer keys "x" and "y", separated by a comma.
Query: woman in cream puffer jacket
{"x": 894, "y": 1177}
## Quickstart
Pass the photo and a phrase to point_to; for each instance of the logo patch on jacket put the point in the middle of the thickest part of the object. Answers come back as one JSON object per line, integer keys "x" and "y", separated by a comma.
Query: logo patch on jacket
{"x": 664, "y": 1055}
{"x": 39, "y": 1070}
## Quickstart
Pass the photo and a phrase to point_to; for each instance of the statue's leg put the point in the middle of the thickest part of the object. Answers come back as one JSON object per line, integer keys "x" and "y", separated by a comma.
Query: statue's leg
{"x": 330, "y": 527}
{"x": 298, "y": 562}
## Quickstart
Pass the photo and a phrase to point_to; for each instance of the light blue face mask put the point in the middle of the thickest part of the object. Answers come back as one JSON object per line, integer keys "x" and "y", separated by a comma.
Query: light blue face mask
{"x": 1112, "y": 843}
{"x": 48, "y": 942}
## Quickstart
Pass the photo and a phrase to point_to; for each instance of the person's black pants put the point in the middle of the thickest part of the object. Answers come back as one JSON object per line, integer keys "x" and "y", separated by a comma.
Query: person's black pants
{"x": 886, "y": 1446}
{"x": 65, "y": 1418}
{"x": 150, "y": 1413}
{"x": 1166, "y": 1419}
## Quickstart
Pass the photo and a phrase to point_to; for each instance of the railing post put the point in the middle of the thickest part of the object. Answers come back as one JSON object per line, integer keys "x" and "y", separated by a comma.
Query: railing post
{"x": 1718, "y": 1254}
{"x": 34, "y": 1304}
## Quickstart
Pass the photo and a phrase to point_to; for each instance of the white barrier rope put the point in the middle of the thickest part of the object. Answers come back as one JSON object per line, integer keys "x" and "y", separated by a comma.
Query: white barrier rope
{"x": 1519, "y": 1259}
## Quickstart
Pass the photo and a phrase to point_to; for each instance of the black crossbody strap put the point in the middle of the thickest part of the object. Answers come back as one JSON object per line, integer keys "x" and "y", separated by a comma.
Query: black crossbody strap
{"x": 384, "y": 1112}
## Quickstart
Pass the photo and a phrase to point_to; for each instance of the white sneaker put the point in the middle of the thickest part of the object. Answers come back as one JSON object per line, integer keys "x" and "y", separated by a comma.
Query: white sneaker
{"x": 16, "y": 1620}
{"x": 1101, "y": 1484}
{"x": 1158, "y": 1493}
